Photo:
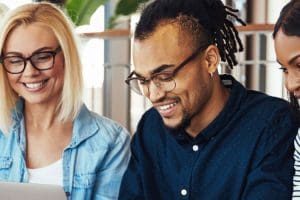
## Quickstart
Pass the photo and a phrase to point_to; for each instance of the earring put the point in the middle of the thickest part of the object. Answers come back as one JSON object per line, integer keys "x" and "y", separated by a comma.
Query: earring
{"x": 211, "y": 74}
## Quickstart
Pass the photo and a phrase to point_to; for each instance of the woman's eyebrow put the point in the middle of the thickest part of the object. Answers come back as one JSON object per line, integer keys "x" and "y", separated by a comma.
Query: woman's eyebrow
{"x": 293, "y": 59}
{"x": 35, "y": 51}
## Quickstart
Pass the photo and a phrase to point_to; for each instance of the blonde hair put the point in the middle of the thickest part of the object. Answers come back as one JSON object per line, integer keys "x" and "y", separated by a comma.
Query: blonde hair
{"x": 54, "y": 18}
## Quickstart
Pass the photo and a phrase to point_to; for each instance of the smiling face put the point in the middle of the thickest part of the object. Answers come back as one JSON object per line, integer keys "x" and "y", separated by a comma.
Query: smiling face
{"x": 287, "y": 50}
{"x": 35, "y": 86}
{"x": 164, "y": 51}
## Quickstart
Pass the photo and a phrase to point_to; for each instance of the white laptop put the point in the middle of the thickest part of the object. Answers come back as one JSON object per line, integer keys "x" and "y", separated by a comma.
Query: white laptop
{"x": 30, "y": 191}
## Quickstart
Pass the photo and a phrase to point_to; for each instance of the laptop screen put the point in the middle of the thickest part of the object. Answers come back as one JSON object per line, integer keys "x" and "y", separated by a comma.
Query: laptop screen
{"x": 32, "y": 191}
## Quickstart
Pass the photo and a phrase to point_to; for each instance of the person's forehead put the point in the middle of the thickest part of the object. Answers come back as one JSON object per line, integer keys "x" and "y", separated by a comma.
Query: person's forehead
{"x": 286, "y": 47}
{"x": 164, "y": 47}
{"x": 165, "y": 36}
{"x": 36, "y": 35}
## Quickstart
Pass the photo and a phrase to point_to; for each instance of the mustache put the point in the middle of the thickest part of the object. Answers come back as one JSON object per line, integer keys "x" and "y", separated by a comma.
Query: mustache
{"x": 165, "y": 99}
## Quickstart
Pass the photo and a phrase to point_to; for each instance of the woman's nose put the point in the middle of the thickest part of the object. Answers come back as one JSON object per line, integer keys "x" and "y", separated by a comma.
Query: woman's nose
{"x": 29, "y": 69}
{"x": 292, "y": 82}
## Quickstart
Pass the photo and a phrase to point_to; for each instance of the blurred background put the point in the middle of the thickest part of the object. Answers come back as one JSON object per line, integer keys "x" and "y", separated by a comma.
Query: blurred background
{"x": 105, "y": 30}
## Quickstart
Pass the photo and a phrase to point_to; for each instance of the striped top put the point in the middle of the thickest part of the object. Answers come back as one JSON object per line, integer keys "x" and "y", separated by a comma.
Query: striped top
{"x": 296, "y": 180}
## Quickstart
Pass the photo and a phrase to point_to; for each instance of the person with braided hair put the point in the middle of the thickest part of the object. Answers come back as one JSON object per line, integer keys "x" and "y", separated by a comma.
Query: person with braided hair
{"x": 206, "y": 136}
{"x": 287, "y": 40}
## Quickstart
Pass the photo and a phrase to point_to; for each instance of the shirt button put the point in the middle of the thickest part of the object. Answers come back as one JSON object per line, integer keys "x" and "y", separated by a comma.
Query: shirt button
{"x": 195, "y": 148}
{"x": 183, "y": 192}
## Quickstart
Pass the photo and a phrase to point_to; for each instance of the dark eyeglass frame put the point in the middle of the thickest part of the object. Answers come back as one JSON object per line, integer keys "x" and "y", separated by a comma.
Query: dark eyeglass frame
{"x": 146, "y": 81}
{"x": 53, "y": 53}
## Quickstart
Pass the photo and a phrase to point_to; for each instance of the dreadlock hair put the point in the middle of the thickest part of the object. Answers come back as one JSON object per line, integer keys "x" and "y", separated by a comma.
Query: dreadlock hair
{"x": 289, "y": 23}
{"x": 212, "y": 18}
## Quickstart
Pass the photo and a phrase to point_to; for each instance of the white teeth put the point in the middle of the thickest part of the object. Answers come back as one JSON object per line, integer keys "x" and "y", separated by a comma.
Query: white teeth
{"x": 166, "y": 107}
{"x": 34, "y": 85}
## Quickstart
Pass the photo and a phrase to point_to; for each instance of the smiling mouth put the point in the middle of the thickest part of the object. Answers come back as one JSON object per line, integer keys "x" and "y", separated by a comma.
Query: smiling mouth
{"x": 166, "y": 107}
{"x": 36, "y": 85}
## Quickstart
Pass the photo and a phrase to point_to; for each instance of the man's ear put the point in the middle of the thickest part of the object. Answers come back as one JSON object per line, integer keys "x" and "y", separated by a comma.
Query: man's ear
{"x": 212, "y": 58}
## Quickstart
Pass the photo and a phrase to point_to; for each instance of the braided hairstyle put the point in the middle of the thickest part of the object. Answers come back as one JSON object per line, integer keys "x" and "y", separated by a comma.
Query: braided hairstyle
{"x": 211, "y": 18}
{"x": 289, "y": 23}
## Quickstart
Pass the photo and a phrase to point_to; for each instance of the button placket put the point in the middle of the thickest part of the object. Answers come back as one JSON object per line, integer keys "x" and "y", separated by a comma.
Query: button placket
{"x": 195, "y": 148}
{"x": 183, "y": 192}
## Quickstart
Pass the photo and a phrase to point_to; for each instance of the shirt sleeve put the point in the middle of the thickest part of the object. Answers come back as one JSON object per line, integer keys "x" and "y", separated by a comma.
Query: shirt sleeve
{"x": 296, "y": 179}
{"x": 110, "y": 175}
{"x": 271, "y": 172}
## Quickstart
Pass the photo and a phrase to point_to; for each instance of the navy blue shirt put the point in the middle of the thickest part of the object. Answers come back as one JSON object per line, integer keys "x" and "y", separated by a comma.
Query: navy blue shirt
{"x": 245, "y": 153}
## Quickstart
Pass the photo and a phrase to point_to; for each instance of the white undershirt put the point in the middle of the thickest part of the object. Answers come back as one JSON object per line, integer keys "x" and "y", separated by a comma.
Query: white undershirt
{"x": 51, "y": 174}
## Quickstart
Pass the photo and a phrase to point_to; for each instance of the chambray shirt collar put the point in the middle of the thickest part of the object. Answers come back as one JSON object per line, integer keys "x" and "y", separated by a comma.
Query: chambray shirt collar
{"x": 80, "y": 129}
{"x": 18, "y": 126}
{"x": 17, "y": 112}
{"x": 84, "y": 127}
{"x": 237, "y": 93}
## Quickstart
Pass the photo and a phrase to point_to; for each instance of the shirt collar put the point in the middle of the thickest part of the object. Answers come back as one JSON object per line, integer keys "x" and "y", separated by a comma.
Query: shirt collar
{"x": 17, "y": 112}
{"x": 84, "y": 124}
{"x": 237, "y": 93}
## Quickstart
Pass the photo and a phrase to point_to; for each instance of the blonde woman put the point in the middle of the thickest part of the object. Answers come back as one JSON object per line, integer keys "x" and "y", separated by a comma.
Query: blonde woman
{"x": 47, "y": 135}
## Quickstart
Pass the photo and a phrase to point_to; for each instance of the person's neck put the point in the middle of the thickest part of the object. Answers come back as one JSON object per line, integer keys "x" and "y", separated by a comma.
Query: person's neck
{"x": 213, "y": 108}
{"x": 41, "y": 116}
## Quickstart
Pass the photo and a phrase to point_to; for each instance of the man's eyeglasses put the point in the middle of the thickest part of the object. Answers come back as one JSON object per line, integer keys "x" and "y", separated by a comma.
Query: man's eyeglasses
{"x": 43, "y": 60}
{"x": 163, "y": 80}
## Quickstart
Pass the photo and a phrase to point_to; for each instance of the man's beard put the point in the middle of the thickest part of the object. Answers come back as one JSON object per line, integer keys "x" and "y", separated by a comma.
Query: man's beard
{"x": 184, "y": 123}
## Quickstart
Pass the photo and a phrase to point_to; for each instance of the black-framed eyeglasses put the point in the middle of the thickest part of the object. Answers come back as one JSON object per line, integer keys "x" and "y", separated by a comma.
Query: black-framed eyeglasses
{"x": 41, "y": 60}
{"x": 163, "y": 80}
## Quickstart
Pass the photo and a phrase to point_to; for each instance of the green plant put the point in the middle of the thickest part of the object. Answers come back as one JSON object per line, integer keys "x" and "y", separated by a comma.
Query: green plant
{"x": 80, "y": 11}
{"x": 125, "y": 8}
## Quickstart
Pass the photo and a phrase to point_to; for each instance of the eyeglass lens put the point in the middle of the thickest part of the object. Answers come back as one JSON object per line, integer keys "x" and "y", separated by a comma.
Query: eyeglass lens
{"x": 40, "y": 60}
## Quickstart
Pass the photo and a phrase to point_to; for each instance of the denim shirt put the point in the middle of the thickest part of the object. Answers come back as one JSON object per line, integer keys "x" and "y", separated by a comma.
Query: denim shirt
{"x": 93, "y": 163}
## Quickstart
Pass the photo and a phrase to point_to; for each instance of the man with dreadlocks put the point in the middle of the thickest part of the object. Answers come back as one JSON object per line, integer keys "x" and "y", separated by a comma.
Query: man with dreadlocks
{"x": 206, "y": 137}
